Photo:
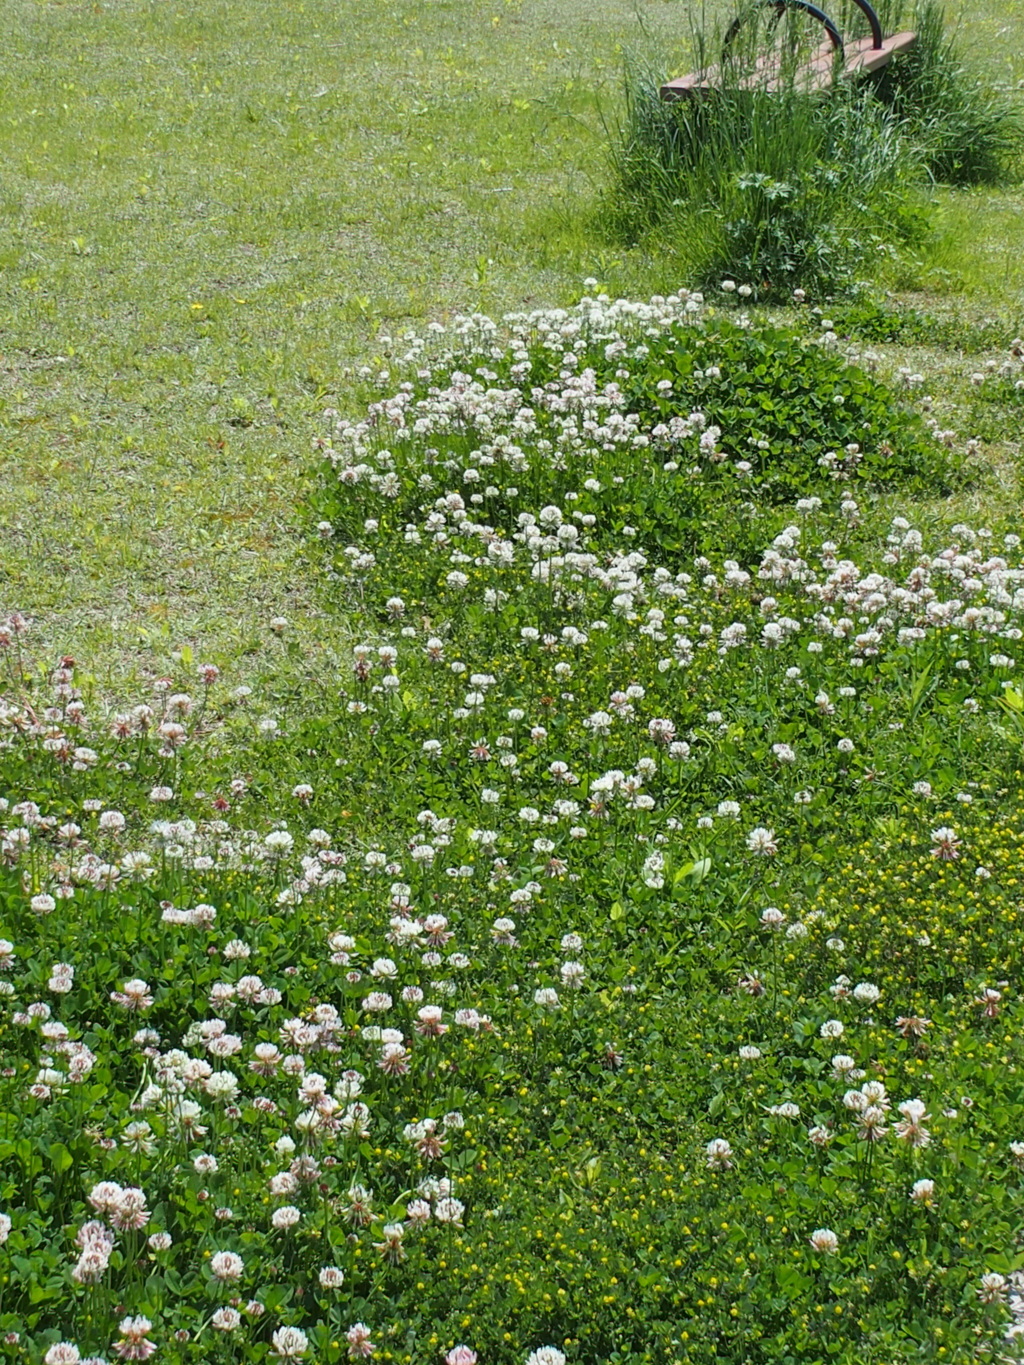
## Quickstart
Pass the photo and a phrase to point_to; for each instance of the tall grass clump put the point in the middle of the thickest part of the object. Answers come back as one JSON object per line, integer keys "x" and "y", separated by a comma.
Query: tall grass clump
{"x": 779, "y": 187}
{"x": 967, "y": 133}
{"x": 762, "y": 178}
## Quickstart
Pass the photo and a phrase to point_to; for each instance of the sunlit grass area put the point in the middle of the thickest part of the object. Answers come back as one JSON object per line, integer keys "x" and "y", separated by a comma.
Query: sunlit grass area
{"x": 206, "y": 214}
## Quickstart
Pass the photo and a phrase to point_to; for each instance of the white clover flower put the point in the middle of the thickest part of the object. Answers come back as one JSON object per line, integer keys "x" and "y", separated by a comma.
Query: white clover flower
{"x": 572, "y": 974}
{"x": 786, "y": 1110}
{"x": 62, "y": 1353}
{"x": 289, "y": 1343}
{"x": 761, "y": 841}
{"x": 922, "y": 1191}
{"x": 719, "y": 1154}
{"x": 449, "y": 1210}
{"x": 545, "y": 1355}
{"x": 992, "y": 1288}
{"x": 226, "y": 1266}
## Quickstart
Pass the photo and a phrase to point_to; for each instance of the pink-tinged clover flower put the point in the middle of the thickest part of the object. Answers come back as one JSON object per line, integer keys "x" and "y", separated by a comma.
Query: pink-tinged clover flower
{"x": 460, "y": 1355}
{"x": 133, "y": 1344}
{"x": 359, "y": 1344}
{"x": 289, "y": 1343}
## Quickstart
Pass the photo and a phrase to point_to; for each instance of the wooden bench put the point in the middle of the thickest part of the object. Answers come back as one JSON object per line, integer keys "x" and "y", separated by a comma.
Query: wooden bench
{"x": 834, "y": 59}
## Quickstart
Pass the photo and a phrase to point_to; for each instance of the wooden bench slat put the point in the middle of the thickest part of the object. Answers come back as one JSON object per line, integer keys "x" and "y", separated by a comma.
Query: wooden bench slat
{"x": 860, "y": 58}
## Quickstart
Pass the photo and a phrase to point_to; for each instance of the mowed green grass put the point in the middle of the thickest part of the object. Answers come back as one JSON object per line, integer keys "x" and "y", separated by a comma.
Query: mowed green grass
{"x": 208, "y": 212}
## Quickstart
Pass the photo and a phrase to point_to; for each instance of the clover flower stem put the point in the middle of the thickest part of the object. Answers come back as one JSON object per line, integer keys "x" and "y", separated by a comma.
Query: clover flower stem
{"x": 358, "y": 1162}
{"x": 866, "y": 1163}
{"x": 99, "y": 1295}
{"x": 135, "y": 920}
{"x": 19, "y": 661}
{"x": 197, "y": 722}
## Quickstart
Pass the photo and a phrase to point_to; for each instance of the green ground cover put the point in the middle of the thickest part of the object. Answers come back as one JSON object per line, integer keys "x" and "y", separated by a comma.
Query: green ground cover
{"x": 526, "y": 865}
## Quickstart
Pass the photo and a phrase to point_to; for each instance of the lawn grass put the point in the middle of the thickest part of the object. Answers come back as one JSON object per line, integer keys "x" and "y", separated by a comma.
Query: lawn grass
{"x": 205, "y": 214}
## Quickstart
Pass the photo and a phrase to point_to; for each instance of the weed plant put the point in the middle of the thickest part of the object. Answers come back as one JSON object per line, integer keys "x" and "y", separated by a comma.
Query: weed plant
{"x": 874, "y": 320}
{"x": 998, "y": 391}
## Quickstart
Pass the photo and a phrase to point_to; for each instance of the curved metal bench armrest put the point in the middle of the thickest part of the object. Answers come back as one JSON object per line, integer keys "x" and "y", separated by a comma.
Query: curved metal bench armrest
{"x": 872, "y": 18}
{"x": 835, "y": 37}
